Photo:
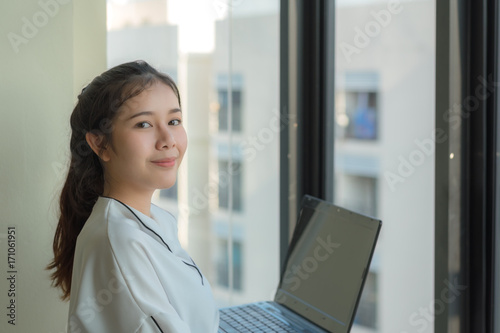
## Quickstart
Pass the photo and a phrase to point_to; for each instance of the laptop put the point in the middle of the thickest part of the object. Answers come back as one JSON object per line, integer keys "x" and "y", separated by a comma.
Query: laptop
{"x": 321, "y": 283}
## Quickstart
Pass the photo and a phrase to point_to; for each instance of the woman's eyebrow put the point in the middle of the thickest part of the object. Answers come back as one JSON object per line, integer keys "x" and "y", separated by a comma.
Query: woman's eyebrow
{"x": 150, "y": 113}
{"x": 142, "y": 113}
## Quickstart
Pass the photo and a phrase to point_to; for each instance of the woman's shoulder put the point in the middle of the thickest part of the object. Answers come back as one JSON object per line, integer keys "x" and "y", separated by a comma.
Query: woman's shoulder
{"x": 95, "y": 229}
{"x": 120, "y": 225}
{"x": 162, "y": 215}
{"x": 110, "y": 223}
{"x": 109, "y": 213}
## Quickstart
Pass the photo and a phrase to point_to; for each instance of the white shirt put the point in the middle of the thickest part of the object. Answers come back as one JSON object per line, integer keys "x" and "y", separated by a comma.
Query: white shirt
{"x": 130, "y": 274}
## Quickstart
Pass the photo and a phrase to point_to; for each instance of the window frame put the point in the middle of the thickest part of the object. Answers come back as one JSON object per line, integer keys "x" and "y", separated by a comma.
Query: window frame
{"x": 466, "y": 43}
{"x": 306, "y": 55}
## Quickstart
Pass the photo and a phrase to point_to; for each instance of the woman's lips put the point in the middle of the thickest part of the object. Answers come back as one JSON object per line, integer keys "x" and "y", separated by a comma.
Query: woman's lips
{"x": 166, "y": 162}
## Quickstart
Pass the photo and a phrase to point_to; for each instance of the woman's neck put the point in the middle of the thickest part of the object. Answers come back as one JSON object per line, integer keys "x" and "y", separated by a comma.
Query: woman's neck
{"x": 139, "y": 201}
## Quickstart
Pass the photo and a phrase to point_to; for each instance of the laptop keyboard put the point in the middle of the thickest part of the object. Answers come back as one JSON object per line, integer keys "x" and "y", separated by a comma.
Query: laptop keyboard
{"x": 250, "y": 318}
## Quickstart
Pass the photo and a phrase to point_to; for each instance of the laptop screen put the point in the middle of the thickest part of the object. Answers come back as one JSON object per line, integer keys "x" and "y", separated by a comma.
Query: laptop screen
{"x": 327, "y": 263}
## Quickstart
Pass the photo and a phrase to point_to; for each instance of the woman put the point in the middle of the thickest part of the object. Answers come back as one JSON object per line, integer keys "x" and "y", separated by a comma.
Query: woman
{"x": 116, "y": 256}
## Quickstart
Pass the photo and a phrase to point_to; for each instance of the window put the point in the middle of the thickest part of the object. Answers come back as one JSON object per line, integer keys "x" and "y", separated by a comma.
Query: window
{"x": 356, "y": 112}
{"x": 223, "y": 264}
{"x": 362, "y": 115}
{"x": 237, "y": 92}
{"x": 209, "y": 47}
{"x": 225, "y": 172}
{"x": 384, "y": 65}
{"x": 366, "y": 69}
{"x": 357, "y": 192}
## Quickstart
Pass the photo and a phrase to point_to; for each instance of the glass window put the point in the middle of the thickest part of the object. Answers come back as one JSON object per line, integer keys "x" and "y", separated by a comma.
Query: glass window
{"x": 383, "y": 156}
{"x": 223, "y": 265}
{"x": 356, "y": 106}
{"x": 209, "y": 48}
{"x": 249, "y": 151}
{"x": 358, "y": 192}
{"x": 235, "y": 172}
{"x": 237, "y": 91}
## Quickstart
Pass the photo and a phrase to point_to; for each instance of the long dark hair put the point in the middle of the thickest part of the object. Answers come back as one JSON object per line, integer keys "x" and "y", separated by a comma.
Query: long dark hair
{"x": 97, "y": 107}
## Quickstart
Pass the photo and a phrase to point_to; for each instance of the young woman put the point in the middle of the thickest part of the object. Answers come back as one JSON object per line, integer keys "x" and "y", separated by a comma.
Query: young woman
{"x": 117, "y": 257}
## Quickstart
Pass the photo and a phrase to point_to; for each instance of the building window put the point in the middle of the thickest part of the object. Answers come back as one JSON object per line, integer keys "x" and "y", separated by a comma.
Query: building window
{"x": 223, "y": 99}
{"x": 357, "y": 193}
{"x": 225, "y": 172}
{"x": 356, "y": 112}
{"x": 361, "y": 110}
{"x": 223, "y": 264}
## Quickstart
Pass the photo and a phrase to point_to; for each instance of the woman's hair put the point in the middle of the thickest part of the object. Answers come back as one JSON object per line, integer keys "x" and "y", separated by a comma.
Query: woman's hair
{"x": 97, "y": 107}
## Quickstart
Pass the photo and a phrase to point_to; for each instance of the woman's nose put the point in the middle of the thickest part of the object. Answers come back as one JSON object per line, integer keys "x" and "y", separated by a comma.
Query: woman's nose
{"x": 166, "y": 138}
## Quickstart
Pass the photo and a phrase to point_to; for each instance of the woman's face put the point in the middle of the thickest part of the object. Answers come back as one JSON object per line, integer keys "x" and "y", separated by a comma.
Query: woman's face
{"x": 148, "y": 142}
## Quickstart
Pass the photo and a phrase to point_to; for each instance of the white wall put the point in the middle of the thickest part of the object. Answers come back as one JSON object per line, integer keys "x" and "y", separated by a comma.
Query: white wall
{"x": 57, "y": 47}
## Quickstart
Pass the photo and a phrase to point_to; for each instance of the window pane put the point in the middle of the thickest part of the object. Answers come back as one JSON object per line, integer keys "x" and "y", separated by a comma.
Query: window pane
{"x": 248, "y": 151}
{"x": 356, "y": 115}
{"x": 236, "y": 172}
{"x": 224, "y": 57}
{"x": 223, "y": 265}
{"x": 384, "y": 145}
{"x": 237, "y": 89}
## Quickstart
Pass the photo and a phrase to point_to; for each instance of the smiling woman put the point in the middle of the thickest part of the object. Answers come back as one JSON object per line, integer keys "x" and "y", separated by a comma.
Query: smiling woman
{"x": 141, "y": 142}
{"x": 117, "y": 256}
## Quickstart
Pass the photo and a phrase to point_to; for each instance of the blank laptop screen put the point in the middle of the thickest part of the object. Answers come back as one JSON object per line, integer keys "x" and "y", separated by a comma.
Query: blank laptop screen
{"x": 327, "y": 263}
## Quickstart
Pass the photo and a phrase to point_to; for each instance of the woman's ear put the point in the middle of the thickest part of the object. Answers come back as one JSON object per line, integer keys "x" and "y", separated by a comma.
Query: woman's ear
{"x": 95, "y": 142}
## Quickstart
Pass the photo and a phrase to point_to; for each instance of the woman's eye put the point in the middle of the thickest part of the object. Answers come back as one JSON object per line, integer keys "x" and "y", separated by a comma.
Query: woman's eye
{"x": 143, "y": 124}
{"x": 175, "y": 122}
